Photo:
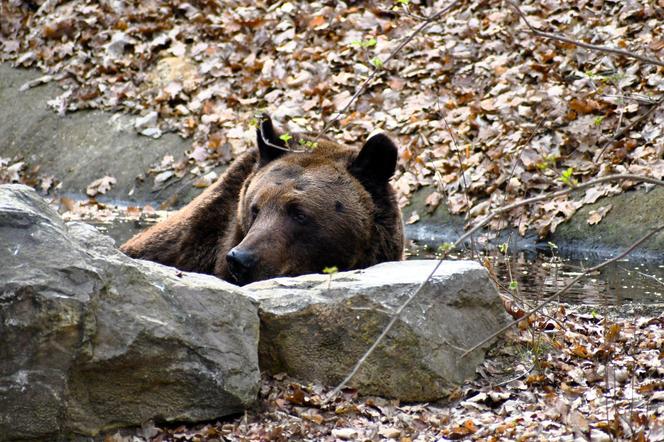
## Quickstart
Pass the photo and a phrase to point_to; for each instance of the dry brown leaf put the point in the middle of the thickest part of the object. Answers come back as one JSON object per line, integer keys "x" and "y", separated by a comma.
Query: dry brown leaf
{"x": 595, "y": 216}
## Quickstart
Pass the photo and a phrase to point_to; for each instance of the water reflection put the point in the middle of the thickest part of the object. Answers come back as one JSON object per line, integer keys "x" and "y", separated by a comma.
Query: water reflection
{"x": 540, "y": 275}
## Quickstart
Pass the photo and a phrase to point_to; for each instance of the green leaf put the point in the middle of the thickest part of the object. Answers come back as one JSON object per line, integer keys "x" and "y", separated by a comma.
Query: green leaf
{"x": 364, "y": 44}
{"x": 503, "y": 247}
{"x": 330, "y": 270}
{"x": 308, "y": 143}
{"x": 377, "y": 62}
{"x": 513, "y": 285}
{"x": 445, "y": 247}
{"x": 567, "y": 178}
{"x": 402, "y": 2}
{"x": 285, "y": 137}
{"x": 598, "y": 121}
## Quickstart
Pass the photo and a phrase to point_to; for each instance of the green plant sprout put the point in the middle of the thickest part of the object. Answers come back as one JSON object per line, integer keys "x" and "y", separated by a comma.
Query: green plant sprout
{"x": 330, "y": 271}
{"x": 547, "y": 162}
{"x": 308, "y": 144}
{"x": 368, "y": 43}
{"x": 445, "y": 247}
{"x": 376, "y": 62}
{"x": 567, "y": 178}
{"x": 285, "y": 137}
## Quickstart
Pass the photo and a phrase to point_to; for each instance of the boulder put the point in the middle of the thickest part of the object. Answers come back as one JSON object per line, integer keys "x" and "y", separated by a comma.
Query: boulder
{"x": 632, "y": 215}
{"x": 93, "y": 340}
{"x": 80, "y": 147}
{"x": 315, "y": 327}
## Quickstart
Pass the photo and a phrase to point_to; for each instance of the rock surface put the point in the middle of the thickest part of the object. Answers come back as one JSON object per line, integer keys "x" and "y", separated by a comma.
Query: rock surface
{"x": 82, "y": 146}
{"x": 93, "y": 340}
{"x": 315, "y": 328}
{"x": 633, "y": 214}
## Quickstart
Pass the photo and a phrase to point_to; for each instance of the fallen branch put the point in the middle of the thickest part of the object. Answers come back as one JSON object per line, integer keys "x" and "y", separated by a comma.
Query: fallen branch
{"x": 563, "y": 290}
{"x": 479, "y": 225}
{"x": 376, "y": 70}
{"x": 591, "y": 47}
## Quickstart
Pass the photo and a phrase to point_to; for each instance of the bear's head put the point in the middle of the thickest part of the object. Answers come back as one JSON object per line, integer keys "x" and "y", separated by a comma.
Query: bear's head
{"x": 300, "y": 212}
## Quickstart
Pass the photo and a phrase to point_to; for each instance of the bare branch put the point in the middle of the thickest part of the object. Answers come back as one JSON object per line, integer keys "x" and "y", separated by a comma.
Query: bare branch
{"x": 386, "y": 330}
{"x": 463, "y": 173}
{"x": 550, "y": 36}
{"x": 285, "y": 149}
{"x": 377, "y": 70}
{"x": 564, "y": 289}
{"x": 622, "y": 177}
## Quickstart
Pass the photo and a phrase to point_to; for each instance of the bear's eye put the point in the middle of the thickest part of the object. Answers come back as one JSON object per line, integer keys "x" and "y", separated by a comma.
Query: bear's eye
{"x": 297, "y": 214}
{"x": 254, "y": 212}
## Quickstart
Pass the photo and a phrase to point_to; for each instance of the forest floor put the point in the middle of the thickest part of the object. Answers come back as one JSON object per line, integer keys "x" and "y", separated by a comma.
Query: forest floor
{"x": 566, "y": 375}
{"x": 485, "y": 112}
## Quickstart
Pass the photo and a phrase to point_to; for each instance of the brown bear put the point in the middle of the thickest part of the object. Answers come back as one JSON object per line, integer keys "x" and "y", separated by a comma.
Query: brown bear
{"x": 286, "y": 208}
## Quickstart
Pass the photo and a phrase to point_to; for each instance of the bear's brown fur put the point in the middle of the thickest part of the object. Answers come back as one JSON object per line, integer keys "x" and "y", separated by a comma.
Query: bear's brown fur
{"x": 281, "y": 213}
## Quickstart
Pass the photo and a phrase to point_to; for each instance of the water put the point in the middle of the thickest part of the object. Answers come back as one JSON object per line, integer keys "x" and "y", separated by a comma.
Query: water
{"x": 538, "y": 275}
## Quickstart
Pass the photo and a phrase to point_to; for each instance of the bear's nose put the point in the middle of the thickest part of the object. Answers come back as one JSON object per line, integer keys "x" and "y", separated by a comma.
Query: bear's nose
{"x": 240, "y": 262}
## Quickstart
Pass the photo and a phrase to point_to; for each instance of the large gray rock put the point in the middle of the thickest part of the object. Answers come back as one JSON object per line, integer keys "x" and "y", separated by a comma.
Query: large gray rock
{"x": 315, "y": 328}
{"x": 633, "y": 214}
{"x": 83, "y": 146}
{"x": 93, "y": 340}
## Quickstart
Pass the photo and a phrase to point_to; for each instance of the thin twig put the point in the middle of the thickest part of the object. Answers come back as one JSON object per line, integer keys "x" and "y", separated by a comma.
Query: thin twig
{"x": 275, "y": 146}
{"x": 552, "y": 297}
{"x": 653, "y": 277}
{"x": 386, "y": 330}
{"x": 481, "y": 224}
{"x": 532, "y": 367}
{"x": 623, "y": 131}
{"x": 377, "y": 70}
{"x": 463, "y": 174}
{"x": 591, "y": 47}
{"x": 551, "y": 195}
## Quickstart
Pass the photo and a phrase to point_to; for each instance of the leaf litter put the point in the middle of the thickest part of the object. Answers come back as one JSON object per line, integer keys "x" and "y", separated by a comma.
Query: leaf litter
{"x": 567, "y": 374}
{"x": 523, "y": 109}
{"x": 527, "y": 115}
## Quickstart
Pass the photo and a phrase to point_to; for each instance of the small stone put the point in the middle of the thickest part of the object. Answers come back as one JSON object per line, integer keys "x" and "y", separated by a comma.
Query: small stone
{"x": 344, "y": 433}
{"x": 389, "y": 432}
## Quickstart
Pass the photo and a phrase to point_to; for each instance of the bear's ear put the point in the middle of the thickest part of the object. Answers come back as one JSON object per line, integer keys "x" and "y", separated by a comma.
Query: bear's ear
{"x": 270, "y": 146}
{"x": 376, "y": 161}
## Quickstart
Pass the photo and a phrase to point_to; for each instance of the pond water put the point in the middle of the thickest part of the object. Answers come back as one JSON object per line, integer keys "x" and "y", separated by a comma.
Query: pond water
{"x": 537, "y": 274}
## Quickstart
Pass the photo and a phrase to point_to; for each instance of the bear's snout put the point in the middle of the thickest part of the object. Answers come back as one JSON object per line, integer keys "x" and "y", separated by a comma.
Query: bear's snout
{"x": 241, "y": 264}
